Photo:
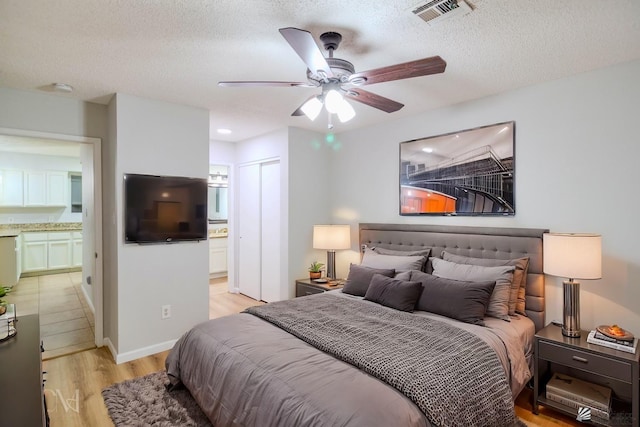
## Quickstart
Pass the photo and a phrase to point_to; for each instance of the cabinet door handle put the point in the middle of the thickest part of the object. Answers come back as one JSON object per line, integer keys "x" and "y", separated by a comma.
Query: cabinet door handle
{"x": 580, "y": 359}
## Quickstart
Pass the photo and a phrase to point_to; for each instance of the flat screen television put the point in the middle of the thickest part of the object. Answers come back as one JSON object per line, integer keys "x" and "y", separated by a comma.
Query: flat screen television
{"x": 164, "y": 209}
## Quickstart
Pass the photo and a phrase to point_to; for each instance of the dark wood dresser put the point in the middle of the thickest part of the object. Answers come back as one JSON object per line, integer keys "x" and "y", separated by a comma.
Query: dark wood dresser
{"x": 21, "y": 376}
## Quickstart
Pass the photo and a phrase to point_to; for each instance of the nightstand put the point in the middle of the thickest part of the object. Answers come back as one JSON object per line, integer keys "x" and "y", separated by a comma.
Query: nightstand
{"x": 309, "y": 287}
{"x": 618, "y": 370}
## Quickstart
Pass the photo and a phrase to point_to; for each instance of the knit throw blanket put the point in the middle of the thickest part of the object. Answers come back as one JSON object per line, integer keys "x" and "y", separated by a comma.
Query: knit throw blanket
{"x": 453, "y": 376}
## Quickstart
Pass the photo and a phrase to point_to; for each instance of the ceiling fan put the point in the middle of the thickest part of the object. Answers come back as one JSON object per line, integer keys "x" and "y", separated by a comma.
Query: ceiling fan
{"x": 338, "y": 79}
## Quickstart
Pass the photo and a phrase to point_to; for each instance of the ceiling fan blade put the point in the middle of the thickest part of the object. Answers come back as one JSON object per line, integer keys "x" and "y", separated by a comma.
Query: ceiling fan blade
{"x": 264, "y": 83}
{"x": 420, "y": 67}
{"x": 373, "y": 100}
{"x": 305, "y": 46}
{"x": 299, "y": 111}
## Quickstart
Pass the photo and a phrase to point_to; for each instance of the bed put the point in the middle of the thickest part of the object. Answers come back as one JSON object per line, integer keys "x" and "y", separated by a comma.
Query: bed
{"x": 341, "y": 359}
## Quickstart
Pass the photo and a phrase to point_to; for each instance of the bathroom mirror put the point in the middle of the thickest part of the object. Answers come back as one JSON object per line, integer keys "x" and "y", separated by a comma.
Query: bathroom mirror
{"x": 218, "y": 193}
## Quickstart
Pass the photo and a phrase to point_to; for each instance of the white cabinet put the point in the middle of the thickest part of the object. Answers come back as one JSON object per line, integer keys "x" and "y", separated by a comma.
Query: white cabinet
{"x": 218, "y": 255}
{"x": 57, "y": 186}
{"x": 9, "y": 260}
{"x": 59, "y": 250}
{"x": 76, "y": 249}
{"x": 51, "y": 250}
{"x": 35, "y": 188}
{"x": 34, "y": 251}
{"x": 11, "y": 187}
{"x": 45, "y": 188}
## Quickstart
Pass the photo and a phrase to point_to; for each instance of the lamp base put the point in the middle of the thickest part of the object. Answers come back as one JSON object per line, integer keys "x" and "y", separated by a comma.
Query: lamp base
{"x": 331, "y": 265}
{"x": 570, "y": 334}
{"x": 571, "y": 309}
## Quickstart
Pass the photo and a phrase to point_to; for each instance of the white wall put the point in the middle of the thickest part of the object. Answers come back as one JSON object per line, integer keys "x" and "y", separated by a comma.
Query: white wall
{"x": 158, "y": 138}
{"x": 222, "y": 152}
{"x": 309, "y": 199}
{"x": 24, "y": 161}
{"x": 576, "y": 171}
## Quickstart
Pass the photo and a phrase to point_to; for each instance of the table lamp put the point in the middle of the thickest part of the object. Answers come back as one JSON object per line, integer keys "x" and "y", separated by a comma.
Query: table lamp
{"x": 331, "y": 238}
{"x": 575, "y": 256}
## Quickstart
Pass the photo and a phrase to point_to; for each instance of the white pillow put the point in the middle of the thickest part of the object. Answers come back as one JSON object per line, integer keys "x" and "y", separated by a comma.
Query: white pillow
{"x": 499, "y": 302}
{"x": 399, "y": 263}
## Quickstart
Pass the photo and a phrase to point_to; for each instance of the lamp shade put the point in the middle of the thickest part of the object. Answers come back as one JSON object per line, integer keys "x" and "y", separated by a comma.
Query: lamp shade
{"x": 574, "y": 256}
{"x": 331, "y": 237}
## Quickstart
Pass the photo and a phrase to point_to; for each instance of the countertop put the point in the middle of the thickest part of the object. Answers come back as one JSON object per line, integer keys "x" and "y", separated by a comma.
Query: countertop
{"x": 219, "y": 232}
{"x": 11, "y": 230}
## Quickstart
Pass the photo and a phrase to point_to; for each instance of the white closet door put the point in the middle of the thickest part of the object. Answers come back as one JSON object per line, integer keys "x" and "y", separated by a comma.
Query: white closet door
{"x": 249, "y": 205}
{"x": 270, "y": 247}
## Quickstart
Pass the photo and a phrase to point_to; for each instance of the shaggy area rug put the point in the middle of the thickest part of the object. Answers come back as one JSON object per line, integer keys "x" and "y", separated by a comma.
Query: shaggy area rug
{"x": 145, "y": 401}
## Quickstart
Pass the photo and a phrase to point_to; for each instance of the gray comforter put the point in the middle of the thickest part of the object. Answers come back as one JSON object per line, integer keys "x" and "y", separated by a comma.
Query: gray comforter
{"x": 244, "y": 371}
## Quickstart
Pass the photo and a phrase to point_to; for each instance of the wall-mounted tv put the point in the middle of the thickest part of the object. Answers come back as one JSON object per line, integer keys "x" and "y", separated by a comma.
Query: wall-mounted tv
{"x": 164, "y": 209}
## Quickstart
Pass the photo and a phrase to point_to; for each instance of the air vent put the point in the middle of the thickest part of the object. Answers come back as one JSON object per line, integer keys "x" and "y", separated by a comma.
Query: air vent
{"x": 437, "y": 10}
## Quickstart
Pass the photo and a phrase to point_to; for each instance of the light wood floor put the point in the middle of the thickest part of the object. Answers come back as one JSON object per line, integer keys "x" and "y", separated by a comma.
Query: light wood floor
{"x": 66, "y": 321}
{"x": 74, "y": 382}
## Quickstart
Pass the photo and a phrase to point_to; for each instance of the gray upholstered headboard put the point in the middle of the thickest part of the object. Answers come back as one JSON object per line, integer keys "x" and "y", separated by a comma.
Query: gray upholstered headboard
{"x": 479, "y": 242}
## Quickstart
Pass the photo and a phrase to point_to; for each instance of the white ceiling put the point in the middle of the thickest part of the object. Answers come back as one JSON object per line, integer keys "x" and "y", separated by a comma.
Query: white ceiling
{"x": 177, "y": 51}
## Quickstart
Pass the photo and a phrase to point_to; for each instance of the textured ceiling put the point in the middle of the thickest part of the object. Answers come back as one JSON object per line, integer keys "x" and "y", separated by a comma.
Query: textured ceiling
{"x": 177, "y": 51}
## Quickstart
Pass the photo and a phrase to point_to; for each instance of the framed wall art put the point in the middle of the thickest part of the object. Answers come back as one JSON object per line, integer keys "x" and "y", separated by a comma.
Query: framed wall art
{"x": 470, "y": 172}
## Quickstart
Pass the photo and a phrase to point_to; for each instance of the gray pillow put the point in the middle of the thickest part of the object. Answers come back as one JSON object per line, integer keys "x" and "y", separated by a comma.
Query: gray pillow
{"x": 385, "y": 251}
{"x": 464, "y": 301}
{"x": 421, "y": 252}
{"x": 393, "y": 293}
{"x": 359, "y": 278}
{"x": 499, "y": 302}
{"x": 519, "y": 275}
{"x": 399, "y": 263}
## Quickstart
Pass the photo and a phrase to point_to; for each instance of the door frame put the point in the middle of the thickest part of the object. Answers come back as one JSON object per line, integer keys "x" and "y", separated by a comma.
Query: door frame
{"x": 97, "y": 285}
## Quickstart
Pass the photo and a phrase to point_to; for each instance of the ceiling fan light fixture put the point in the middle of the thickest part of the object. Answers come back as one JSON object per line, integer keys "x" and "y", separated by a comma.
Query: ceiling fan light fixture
{"x": 357, "y": 81}
{"x": 333, "y": 101}
{"x": 346, "y": 112}
{"x": 312, "y": 108}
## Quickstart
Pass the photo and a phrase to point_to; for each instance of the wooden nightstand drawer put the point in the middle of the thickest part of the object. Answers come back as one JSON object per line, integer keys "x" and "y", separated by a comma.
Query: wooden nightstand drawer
{"x": 303, "y": 290}
{"x": 584, "y": 360}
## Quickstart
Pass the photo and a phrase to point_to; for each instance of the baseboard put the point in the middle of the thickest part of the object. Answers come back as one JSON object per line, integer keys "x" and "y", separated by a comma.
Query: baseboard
{"x": 88, "y": 300}
{"x": 137, "y": 354}
{"x": 47, "y": 272}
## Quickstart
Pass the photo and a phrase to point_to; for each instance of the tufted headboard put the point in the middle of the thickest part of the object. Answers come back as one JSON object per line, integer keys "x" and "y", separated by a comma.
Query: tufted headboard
{"x": 479, "y": 242}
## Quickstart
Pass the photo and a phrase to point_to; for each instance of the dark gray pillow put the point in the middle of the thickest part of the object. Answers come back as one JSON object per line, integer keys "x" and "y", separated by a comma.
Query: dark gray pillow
{"x": 464, "y": 301}
{"x": 502, "y": 275}
{"x": 393, "y": 293}
{"x": 519, "y": 281}
{"x": 360, "y": 276}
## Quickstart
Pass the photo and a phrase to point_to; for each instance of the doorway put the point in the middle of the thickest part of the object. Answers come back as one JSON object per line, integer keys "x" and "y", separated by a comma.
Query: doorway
{"x": 90, "y": 236}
